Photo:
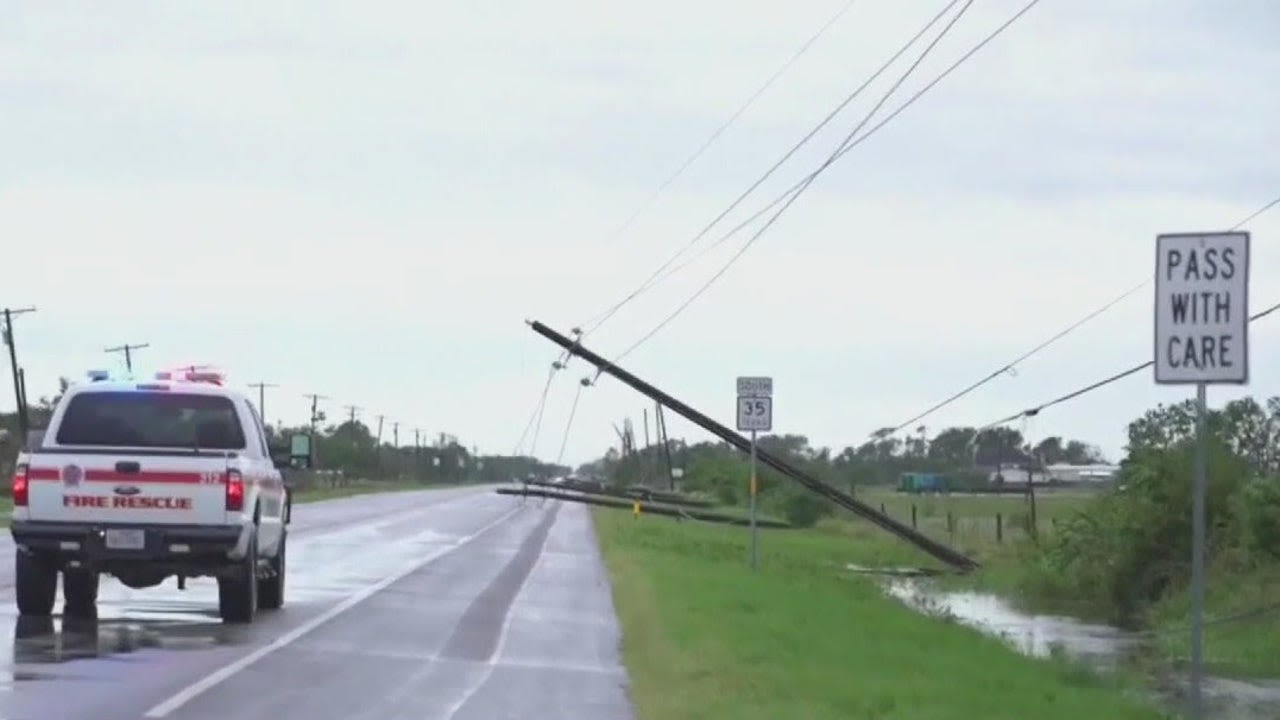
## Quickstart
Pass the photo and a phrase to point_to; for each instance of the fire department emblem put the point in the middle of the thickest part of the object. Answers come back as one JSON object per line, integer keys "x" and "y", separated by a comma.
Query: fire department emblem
{"x": 72, "y": 475}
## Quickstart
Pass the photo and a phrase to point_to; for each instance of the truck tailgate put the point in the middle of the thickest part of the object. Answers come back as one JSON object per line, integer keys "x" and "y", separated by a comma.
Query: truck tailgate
{"x": 177, "y": 488}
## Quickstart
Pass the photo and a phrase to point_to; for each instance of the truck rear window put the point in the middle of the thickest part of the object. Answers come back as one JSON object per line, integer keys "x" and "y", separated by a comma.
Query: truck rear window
{"x": 151, "y": 420}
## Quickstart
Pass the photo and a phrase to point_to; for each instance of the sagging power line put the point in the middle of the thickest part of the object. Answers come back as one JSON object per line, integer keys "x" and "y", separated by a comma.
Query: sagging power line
{"x": 1056, "y": 337}
{"x": 665, "y": 270}
{"x": 1033, "y": 411}
{"x": 715, "y": 135}
{"x": 850, "y": 143}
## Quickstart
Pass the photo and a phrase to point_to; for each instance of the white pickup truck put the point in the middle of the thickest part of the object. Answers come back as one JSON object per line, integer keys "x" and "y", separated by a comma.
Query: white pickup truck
{"x": 148, "y": 480}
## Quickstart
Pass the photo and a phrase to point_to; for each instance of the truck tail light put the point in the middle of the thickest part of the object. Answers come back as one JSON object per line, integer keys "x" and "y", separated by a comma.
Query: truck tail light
{"x": 20, "y": 486}
{"x": 235, "y": 491}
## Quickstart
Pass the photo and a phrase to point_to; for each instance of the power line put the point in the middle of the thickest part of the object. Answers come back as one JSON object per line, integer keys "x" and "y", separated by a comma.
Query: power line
{"x": 573, "y": 411}
{"x": 732, "y": 119}
{"x": 537, "y": 407}
{"x": 850, "y": 142}
{"x": 662, "y": 272}
{"x": 1033, "y": 411}
{"x": 1012, "y": 363}
{"x": 1063, "y": 333}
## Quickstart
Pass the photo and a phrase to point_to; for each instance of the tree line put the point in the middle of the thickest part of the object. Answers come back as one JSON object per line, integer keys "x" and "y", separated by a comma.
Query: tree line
{"x": 344, "y": 452}
{"x": 967, "y": 456}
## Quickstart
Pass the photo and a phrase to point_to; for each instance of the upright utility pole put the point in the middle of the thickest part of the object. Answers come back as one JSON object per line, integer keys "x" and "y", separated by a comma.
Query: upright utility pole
{"x": 315, "y": 416}
{"x": 353, "y": 409}
{"x": 379, "y": 438}
{"x": 395, "y": 434}
{"x": 128, "y": 356}
{"x": 19, "y": 399}
{"x": 262, "y": 397}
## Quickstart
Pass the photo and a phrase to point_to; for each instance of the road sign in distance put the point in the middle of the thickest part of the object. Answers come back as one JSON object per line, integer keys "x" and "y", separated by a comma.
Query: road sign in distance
{"x": 755, "y": 386}
{"x": 755, "y": 413}
{"x": 1202, "y": 308}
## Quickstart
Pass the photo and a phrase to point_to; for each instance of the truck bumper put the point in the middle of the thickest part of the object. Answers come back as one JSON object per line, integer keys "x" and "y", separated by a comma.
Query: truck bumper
{"x": 87, "y": 542}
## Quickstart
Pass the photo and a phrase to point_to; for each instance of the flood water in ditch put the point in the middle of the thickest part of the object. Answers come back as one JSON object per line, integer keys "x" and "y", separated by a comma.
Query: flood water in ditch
{"x": 1102, "y": 647}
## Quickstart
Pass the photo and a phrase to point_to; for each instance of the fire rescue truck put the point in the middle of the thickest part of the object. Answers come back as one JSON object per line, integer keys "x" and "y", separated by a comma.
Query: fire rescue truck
{"x": 147, "y": 480}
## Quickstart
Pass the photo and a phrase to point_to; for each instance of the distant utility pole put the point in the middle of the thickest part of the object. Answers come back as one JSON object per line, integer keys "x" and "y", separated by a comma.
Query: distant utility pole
{"x": 395, "y": 434}
{"x": 128, "y": 356}
{"x": 262, "y": 397}
{"x": 315, "y": 417}
{"x": 378, "y": 440}
{"x": 19, "y": 397}
{"x": 353, "y": 409}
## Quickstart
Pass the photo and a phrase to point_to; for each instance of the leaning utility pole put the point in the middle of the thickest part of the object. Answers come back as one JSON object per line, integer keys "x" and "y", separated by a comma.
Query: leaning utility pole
{"x": 661, "y": 421}
{"x": 262, "y": 398}
{"x": 128, "y": 357}
{"x": 905, "y": 532}
{"x": 19, "y": 398}
{"x": 378, "y": 440}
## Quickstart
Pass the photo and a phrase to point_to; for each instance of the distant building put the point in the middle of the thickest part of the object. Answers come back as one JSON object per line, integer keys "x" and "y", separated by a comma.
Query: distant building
{"x": 1095, "y": 473}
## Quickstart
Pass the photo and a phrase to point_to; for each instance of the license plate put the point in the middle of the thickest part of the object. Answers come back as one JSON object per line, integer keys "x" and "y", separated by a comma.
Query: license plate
{"x": 119, "y": 539}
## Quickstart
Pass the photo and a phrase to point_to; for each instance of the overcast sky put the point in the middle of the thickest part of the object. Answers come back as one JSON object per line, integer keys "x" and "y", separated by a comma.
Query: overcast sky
{"x": 367, "y": 200}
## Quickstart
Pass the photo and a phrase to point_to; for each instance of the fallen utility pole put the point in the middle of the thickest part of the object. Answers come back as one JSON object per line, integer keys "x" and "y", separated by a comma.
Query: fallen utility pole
{"x": 946, "y": 554}
{"x": 602, "y": 501}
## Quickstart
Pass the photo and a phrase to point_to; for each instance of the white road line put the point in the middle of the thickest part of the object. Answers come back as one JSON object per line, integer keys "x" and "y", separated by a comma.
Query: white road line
{"x": 189, "y": 693}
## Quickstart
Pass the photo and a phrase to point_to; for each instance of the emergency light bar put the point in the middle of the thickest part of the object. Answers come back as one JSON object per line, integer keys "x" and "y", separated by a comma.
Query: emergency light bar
{"x": 98, "y": 375}
{"x": 193, "y": 374}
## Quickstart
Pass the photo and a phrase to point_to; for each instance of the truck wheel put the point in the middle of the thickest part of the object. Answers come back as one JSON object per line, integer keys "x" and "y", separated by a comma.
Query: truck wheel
{"x": 271, "y": 590}
{"x": 238, "y": 592}
{"x": 35, "y": 584}
{"x": 80, "y": 593}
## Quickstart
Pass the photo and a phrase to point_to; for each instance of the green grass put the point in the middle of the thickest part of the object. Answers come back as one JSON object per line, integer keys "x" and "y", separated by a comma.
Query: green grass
{"x": 704, "y": 637}
{"x": 1240, "y": 637}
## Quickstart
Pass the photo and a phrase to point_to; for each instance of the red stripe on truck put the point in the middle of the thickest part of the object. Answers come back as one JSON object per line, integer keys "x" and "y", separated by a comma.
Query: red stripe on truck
{"x": 146, "y": 476}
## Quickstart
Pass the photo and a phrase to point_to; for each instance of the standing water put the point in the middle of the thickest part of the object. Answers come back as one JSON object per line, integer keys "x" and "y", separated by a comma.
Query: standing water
{"x": 1103, "y": 647}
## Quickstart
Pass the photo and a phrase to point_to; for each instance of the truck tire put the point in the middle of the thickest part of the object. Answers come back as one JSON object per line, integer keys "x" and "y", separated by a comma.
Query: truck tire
{"x": 271, "y": 590}
{"x": 80, "y": 593}
{"x": 238, "y": 592}
{"x": 35, "y": 584}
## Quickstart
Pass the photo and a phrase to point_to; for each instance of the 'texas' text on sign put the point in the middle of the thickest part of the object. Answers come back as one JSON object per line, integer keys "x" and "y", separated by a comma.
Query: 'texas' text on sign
{"x": 1202, "y": 308}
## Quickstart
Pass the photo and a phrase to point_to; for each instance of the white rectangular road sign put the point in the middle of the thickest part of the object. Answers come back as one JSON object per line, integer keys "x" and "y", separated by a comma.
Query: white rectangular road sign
{"x": 755, "y": 386}
{"x": 755, "y": 413}
{"x": 1202, "y": 308}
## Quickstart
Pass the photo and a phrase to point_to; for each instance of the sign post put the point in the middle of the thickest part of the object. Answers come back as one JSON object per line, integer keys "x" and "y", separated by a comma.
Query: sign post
{"x": 1201, "y": 337}
{"x": 755, "y": 413}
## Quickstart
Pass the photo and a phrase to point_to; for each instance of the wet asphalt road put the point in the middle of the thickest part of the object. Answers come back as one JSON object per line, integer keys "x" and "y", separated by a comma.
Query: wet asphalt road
{"x": 448, "y": 604}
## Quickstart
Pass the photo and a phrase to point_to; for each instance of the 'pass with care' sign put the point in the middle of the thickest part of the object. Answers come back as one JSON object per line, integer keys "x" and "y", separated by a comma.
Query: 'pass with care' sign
{"x": 1202, "y": 308}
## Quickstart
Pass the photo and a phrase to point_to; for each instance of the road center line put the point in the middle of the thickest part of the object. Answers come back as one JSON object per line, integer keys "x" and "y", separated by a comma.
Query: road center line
{"x": 189, "y": 693}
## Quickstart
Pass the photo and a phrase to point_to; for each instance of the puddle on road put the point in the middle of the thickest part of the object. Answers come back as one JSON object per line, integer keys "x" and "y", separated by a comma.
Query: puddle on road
{"x": 1102, "y": 647}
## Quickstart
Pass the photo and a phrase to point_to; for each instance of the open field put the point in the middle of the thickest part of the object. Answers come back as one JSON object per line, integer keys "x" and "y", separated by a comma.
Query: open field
{"x": 704, "y": 637}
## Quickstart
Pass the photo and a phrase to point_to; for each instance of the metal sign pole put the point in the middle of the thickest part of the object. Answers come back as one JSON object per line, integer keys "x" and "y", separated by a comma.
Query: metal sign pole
{"x": 755, "y": 541}
{"x": 1197, "y": 555}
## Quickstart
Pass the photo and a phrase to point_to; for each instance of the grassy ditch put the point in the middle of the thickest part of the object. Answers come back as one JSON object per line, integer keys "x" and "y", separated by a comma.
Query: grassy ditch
{"x": 705, "y": 637}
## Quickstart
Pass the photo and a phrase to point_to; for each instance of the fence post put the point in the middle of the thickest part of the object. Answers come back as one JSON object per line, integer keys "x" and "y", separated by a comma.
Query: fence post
{"x": 999, "y": 528}
{"x": 951, "y": 524}
{"x": 914, "y": 526}
{"x": 882, "y": 512}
